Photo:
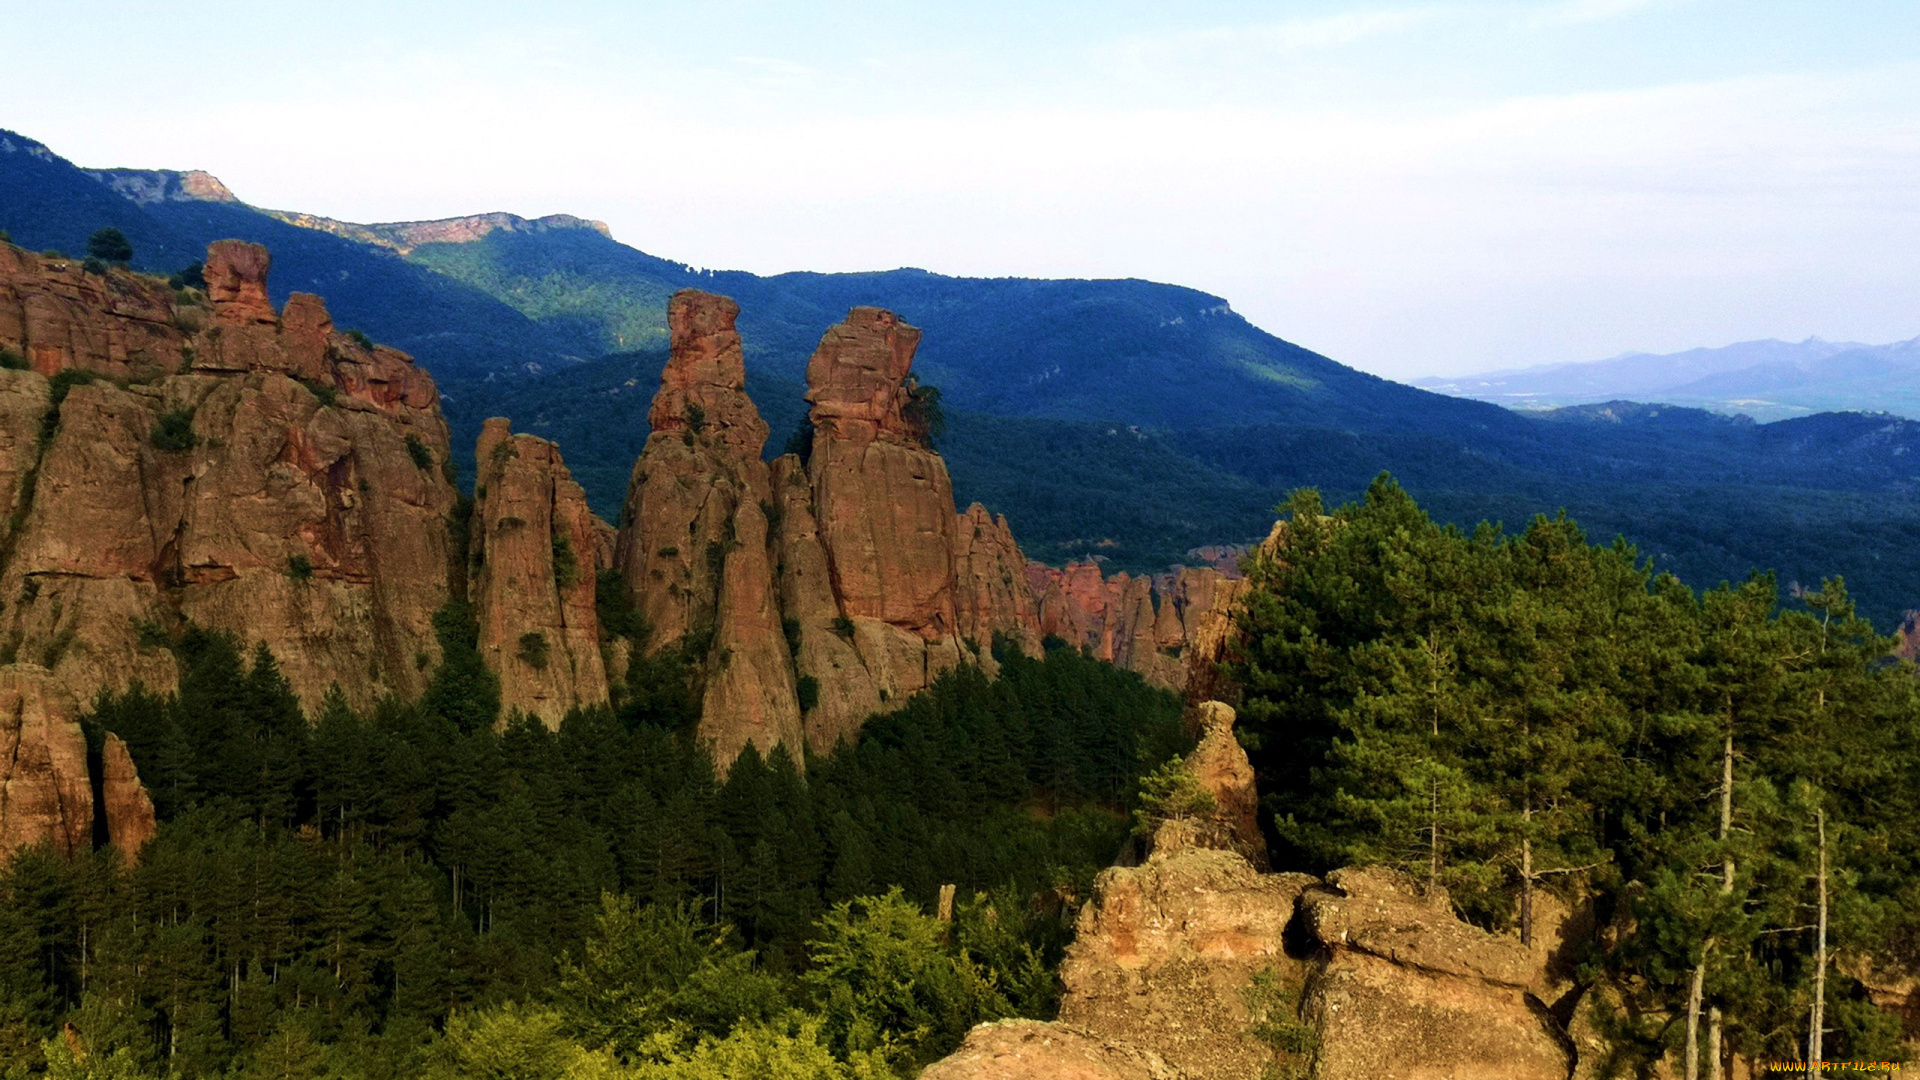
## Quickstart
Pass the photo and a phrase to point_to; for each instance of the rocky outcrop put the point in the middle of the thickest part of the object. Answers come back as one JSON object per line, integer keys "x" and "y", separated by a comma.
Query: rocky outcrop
{"x": 1907, "y": 636}
{"x": 1142, "y": 624}
{"x": 46, "y": 795}
{"x": 123, "y": 799}
{"x": 1407, "y": 988}
{"x": 810, "y": 595}
{"x": 47, "y": 785}
{"x": 1197, "y": 960}
{"x": 532, "y": 559}
{"x": 695, "y": 551}
{"x": 1034, "y": 1050}
{"x": 251, "y": 472}
{"x": 1220, "y": 763}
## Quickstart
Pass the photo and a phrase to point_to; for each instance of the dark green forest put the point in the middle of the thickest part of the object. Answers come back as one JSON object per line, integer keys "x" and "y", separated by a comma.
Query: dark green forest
{"x": 412, "y": 892}
{"x": 1719, "y": 779}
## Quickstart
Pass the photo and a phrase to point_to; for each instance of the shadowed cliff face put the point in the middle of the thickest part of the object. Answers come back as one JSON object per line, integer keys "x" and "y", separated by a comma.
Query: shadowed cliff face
{"x": 251, "y": 471}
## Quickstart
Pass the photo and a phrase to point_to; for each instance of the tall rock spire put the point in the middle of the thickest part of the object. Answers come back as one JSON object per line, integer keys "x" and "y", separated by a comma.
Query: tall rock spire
{"x": 694, "y": 547}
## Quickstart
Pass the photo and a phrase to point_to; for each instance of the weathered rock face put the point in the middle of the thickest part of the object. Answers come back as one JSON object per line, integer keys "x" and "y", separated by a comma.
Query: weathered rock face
{"x": 123, "y": 799}
{"x": 295, "y": 495}
{"x": 1033, "y": 1050}
{"x": 46, "y": 795}
{"x": 46, "y": 785}
{"x": 1185, "y": 959}
{"x": 882, "y": 496}
{"x": 694, "y": 551}
{"x": 1907, "y": 636}
{"x": 1137, "y": 623}
{"x": 1409, "y": 989}
{"x": 1220, "y": 763}
{"x": 531, "y": 576}
{"x": 989, "y": 582}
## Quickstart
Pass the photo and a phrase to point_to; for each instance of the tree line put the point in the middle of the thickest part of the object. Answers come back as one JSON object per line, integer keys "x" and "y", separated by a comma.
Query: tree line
{"x": 1730, "y": 786}
{"x": 419, "y": 891}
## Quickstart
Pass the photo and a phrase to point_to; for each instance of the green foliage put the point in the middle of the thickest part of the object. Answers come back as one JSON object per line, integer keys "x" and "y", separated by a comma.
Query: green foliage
{"x": 843, "y": 626}
{"x": 64, "y": 381}
{"x": 463, "y": 690}
{"x": 417, "y": 450}
{"x": 300, "y": 568}
{"x": 696, "y": 418}
{"x": 110, "y": 245}
{"x": 173, "y": 432}
{"x": 190, "y": 276}
{"x": 359, "y": 337}
{"x": 1503, "y": 714}
{"x": 808, "y": 688}
{"x": 93, "y": 266}
{"x": 618, "y": 616}
{"x": 922, "y": 412}
{"x": 890, "y": 982}
{"x": 327, "y": 394}
{"x": 790, "y": 629}
{"x": 1171, "y": 793}
{"x": 566, "y": 565}
{"x": 11, "y": 360}
{"x": 534, "y": 650}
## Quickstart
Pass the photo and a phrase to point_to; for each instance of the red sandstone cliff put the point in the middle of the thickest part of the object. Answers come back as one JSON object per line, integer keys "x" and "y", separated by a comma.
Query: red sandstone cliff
{"x": 252, "y": 471}
{"x": 46, "y": 790}
{"x": 1138, "y": 623}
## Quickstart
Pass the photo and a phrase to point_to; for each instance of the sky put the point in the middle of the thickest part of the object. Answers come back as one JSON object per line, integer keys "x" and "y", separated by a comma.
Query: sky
{"x": 1410, "y": 188}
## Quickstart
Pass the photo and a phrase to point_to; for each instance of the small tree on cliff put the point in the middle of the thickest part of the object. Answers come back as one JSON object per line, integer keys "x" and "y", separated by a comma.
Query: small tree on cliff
{"x": 110, "y": 245}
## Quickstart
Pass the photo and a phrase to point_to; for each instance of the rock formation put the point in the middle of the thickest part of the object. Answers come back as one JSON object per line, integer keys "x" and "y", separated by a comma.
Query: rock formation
{"x": 1139, "y": 623}
{"x": 46, "y": 796}
{"x": 251, "y": 472}
{"x": 1206, "y": 968}
{"x": 534, "y": 549}
{"x": 123, "y": 799}
{"x": 1907, "y": 636}
{"x": 695, "y": 550}
{"x": 46, "y": 787}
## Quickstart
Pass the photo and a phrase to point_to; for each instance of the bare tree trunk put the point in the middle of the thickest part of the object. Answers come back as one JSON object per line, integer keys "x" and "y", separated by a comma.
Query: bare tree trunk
{"x": 1817, "y": 1028}
{"x": 1697, "y": 991}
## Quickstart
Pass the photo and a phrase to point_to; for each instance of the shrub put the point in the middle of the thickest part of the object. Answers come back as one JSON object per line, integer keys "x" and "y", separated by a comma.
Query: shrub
{"x": 618, "y": 616}
{"x": 12, "y": 361}
{"x": 66, "y": 380}
{"x": 800, "y": 443}
{"x": 668, "y": 552}
{"x": 534, "y": 649}
{"x": 843, "y": 626}
{"x": 110, "y": 245}
{"x": 300, "y": 568}
{"x": 1169, "y": 793}
{"x": 922, "y": 411}
{"x": 192, "y": 276}
{"x": 696, "y": 417}
{"x": 791, "y": 628}
{"x": 361, "y": 339}
{"x": 809, "y": 688}
{"x": 174, "y": 432}
{"x": 92, "y": 265}
{"x": 327, "y": 395}
{"x": 716, "y": 558}
{"x": 417, "y": 450}
{"x": 566, "y": 565}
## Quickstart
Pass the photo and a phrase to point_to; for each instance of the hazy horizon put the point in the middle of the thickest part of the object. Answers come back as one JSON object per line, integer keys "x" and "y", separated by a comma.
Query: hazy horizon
{"x": 1412, "y": 189}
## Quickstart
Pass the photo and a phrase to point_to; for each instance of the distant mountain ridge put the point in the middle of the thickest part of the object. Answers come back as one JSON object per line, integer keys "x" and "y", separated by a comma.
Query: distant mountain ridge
{"x": 1766, "y": 379}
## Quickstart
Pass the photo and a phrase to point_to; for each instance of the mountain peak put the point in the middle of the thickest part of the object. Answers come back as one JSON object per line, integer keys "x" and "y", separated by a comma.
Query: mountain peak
{"x": 148, "y": 186}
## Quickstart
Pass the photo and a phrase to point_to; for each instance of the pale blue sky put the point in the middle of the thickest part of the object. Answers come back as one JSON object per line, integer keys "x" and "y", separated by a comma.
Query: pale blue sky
{"x": 1411, "y": 188}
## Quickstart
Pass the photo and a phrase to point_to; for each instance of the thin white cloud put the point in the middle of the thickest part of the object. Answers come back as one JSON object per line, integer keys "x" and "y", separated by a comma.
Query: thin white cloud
{"x": 1292, "y": 37}
{"x": 1584, "y": 11}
